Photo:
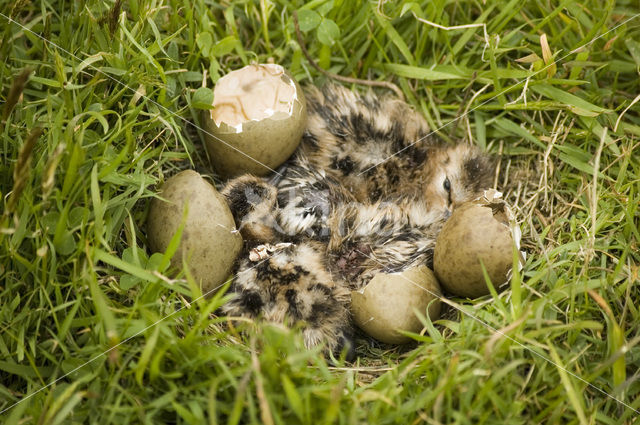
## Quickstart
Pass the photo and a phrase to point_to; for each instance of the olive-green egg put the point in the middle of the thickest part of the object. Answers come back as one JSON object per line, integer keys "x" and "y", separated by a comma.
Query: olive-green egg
{"x": 209, "y": 241}
{"x": 473, "y": 234}
{"x": 387, "y": 303}
{"x": 256, "y": 146}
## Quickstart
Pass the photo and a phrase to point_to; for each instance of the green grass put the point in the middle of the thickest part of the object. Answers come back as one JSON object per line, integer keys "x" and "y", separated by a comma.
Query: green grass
{"x": 73, "y": 284}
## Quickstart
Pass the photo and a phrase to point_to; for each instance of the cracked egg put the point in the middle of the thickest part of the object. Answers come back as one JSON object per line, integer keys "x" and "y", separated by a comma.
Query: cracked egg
{"x": 481, "y": 231}
{"x": 257, "y": 121}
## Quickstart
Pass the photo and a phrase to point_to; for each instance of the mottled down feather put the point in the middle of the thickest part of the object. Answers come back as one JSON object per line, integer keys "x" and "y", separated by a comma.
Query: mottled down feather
{"x": 367, "y": 191}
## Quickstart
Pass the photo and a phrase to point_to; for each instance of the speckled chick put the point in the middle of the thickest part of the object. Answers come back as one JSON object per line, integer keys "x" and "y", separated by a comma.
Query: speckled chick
{"x": 368, "y": 190}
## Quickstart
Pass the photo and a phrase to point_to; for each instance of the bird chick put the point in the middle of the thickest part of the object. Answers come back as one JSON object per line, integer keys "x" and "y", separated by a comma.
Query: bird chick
{"x": 367, "y": 191}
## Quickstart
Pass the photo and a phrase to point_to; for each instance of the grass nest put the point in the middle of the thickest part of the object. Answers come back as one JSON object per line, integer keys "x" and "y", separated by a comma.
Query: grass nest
{"x": 96, "y": 105}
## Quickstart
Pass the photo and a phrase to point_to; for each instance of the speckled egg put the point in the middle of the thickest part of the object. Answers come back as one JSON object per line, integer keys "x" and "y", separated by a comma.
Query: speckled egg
{"x": 257, "y": 122}
{"x": 209, "y": 241}
{"x": 474, "y": 233}
{"x": 386, "y": 305}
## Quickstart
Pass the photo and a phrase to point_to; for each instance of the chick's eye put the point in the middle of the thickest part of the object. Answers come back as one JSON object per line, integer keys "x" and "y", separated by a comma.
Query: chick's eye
{"x": 447, "y": 185}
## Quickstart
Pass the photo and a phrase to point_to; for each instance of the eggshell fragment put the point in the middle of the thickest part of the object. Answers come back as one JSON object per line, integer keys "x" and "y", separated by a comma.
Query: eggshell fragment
{"x": 387, "y": 303}
{"x": 257, "y": 122}
{"x": 209, "y": 241}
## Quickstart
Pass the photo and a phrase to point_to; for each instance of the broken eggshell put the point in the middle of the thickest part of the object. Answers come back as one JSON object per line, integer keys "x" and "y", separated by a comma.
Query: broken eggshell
{"x": 482, "y": 231}
{"x": 386, "y": 305}
{"x": 257, "y": 121}
{"x": 209, "y": 243}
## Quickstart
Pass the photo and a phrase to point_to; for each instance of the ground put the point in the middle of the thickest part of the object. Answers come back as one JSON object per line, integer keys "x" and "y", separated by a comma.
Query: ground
{"x": 94, "y": 329}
